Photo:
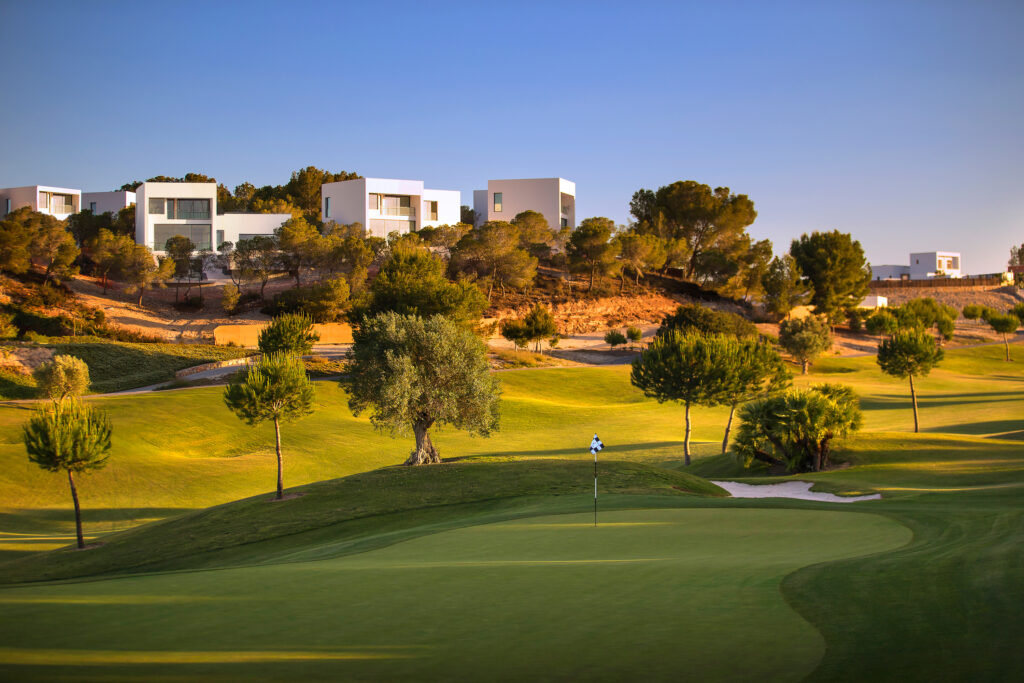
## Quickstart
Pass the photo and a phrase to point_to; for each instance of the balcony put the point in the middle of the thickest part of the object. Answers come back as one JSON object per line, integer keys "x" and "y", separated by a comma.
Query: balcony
{"x": 408, "y": 211}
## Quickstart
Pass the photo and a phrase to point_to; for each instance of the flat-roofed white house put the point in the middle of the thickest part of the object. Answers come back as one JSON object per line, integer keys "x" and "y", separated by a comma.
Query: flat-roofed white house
{"x": 386, "y": 205}
{"x": 555, "y": 198}
{"x": 165, "y": 210}
{"x": 929, "y": 264}
{"x": 107, "y": 202}
{"x": 59, "y": 202}
{"x": 890, "y": 272}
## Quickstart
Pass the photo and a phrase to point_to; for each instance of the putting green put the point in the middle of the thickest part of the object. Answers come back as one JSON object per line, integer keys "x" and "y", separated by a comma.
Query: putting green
{"x": 663, "y": 594}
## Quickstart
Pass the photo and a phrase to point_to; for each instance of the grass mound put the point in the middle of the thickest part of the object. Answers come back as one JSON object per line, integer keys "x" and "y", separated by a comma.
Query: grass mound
{"x": 194, "y": 539}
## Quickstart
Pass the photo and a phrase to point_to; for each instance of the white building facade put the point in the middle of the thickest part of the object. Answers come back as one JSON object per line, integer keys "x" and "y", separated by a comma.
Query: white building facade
{"x": 107, "y": 202}
{"x": 59, "y": 202}
{"x": 386, "y": 205}
{"x": 555, "y": 198}
{"x": 165, "y": 210}
{"x": 931, "y": 264}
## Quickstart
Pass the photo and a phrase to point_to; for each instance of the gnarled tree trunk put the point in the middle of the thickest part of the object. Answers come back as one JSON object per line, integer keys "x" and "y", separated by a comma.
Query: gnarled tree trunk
{"x": 425, "y": 453}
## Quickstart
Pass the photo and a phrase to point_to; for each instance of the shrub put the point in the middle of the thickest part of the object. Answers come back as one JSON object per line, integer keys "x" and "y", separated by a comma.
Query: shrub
{"x": 972, "y": 311}
{"x": 855, "y": 319}
{"x": 63, "y": 377}
{"x": 704, "y": 320}
{"x": 634, "y": 334}
{"x": 289, "y": 333}
{"x": 881, "y": 322}
{"x": 805, "y": 339}
{"x": 324, "y": 302}
{"x": 614, "y": 338}
{"x": 229, "y": 299}
{"x": 1017, "y": 310}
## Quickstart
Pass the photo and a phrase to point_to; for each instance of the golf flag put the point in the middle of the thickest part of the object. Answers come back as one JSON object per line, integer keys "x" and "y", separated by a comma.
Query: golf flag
{"x": 595, "y": 447}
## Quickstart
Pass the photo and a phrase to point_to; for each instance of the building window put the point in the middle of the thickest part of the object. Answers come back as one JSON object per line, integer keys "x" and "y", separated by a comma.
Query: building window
{"x": 92, "y": 206}
{"x": 188, "y": 209}
{"x": 200, "y": 235}
{"x": 44, "y": 201}
{"x": 220, "y": 238}
{"x": 432, "y": 210}
{"x": 497, "y": 202}
{"x": 380, "y": 227}
{"x": 7, "y": 206}
{"x": 398, "y": 205}
{"x": 156, "y": 206}
{"x": 327, "y": 207}
{"x": 565, "y": 222}
{"x": 373, "y": 202}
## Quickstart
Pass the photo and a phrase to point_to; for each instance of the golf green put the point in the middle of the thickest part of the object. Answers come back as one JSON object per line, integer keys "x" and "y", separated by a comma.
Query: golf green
{"x": 659, "y": 594}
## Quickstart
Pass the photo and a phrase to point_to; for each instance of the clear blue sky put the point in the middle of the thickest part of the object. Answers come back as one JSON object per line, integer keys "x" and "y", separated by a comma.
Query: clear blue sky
{"x": 900, "y": 122}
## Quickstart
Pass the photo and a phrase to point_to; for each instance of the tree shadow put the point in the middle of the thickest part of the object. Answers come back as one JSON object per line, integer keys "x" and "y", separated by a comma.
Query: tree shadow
{"x": 609, "y": 451}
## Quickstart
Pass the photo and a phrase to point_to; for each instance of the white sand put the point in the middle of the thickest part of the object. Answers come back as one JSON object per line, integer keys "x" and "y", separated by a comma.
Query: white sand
{"x": 800, "y": 490}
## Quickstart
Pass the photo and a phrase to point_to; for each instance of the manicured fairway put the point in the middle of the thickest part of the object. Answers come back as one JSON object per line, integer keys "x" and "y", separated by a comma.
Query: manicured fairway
{"x": 680, "y": 594}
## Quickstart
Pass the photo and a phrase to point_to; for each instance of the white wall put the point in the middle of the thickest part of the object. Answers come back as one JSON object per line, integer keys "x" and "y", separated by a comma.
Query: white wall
{"x": 890, "y": 272}
{"x": 543, "y": 195}
{"x": 111, "y": 202}
{"x": 449, "y": 208}
{"x": 925, "y": 265}
{"x": 480, "y": 205}
{"x": 349, "y": 199}
{"x": 235, "y": 224}
{"x": 28, "y": 195}
{"x": 144, "y": 221}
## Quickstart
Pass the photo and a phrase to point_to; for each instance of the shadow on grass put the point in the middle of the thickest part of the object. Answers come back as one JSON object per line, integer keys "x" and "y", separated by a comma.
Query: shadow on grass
{"x": 609, "y": 452}
{"x": 996, "y": 428}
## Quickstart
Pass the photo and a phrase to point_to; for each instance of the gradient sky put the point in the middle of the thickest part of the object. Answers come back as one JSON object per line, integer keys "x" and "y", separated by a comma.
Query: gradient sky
{"x": 899, "y": 122}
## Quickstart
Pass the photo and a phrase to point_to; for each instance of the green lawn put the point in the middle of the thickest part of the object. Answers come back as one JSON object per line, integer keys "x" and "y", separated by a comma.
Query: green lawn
{"x": 360, "y": 577}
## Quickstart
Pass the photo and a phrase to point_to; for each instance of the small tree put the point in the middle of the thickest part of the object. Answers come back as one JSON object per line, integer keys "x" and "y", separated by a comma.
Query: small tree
{"x": 516, "y": 332}
{"x": 591, "y": 248}
{"x": 1004, "y": 325}
{"x": 805, "y": 339}
{"x": 291, "y": 333}
{"x": 754, "y": 369}
{"x": 973, "y": 311}
{"x": 69, "y": 436}
{"x": 634, "y": 334}
{"x": 413, "y": 373}
{"x": 694, "y": 318}
{"x": 687, "y": 369}
{"x": 798, "y": 428}
{"x": 540, "y": 324}
{"x": 909, "y": 354}
{"x": 108, "y": 251}
{"x": 614, "y": 338}
{"x": 230, "y": 298}
{"x": 142, "y": 272}
{"x": 784, "y": 287}
{"x": 881, "y": 322}
{"x": 276, "y": 389}
{"x": 61, "y": 378}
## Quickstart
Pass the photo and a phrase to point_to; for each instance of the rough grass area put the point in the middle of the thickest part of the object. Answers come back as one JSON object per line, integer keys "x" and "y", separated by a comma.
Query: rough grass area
{"x": 506, "y": 359}
{"x": 117, "y": 366}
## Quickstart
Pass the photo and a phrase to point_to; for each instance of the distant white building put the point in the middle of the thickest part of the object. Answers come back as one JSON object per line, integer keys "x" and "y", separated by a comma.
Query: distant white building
{"x": 386, "y": 205}
{"x": 107, "y": 202}
{"x": 165, "y": 210}
{"x": 555, "y": 198}
{"x": 923, "y": 265}
{"x": 930, "y": 264}
{"x": 59, "y": 202}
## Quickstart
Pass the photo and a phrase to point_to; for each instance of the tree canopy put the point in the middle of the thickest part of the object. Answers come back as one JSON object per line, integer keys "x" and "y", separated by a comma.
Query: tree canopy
{"x": 413, "y": 373}
{"x": 63, "y": 377}
{"x": 834, "y": 264}
{"x": 805, "y": 339}
{"x": 591, "y": 248}
{"x": 690, "y": 318}
{"x": 291, "y": 334}
{"x": 908, "y": 354}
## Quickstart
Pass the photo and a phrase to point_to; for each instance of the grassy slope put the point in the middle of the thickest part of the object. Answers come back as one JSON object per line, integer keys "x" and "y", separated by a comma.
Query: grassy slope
{"x": 654, "y": 594}
{"x": 117, "y": 366}
{"x": 411, "y": 492}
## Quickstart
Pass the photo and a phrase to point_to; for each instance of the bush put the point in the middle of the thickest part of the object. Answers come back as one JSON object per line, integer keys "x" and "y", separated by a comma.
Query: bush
{"x": 1017, "y": 310}
{"x": 634, "y": 334}
{"x": 35, "y": 338}
{"x": 614, "y": 338}
{"x": 704, "y": 320}
{"x": 47, "y": 296}
{"x": 289, "y": 333}
{"x": 805, "y": 339}
{"x": 324, "y": 302}
{"x": 229, "y": 299}
{"x": 881, "y": 322}
{"x": 63, "y": 377}
{"x": 855, "y": 319}
{"x": 972, "y": 311}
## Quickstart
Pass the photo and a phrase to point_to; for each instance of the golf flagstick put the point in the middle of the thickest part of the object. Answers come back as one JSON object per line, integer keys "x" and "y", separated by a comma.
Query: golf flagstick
{"x": 595, "y": 446}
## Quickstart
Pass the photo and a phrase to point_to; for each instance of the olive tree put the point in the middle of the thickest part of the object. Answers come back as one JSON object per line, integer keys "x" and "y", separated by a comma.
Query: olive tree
{"x": 277, "y": 389}
{"x": 798, "y": 428}
{"x": 909, "y": 354}
{"x": 805, "y": 339}
{"x": 414, "y": 373}
{"x": 687, "y": 369}
{"x": 62, "y": 377}
{"x": 71, "y": 437}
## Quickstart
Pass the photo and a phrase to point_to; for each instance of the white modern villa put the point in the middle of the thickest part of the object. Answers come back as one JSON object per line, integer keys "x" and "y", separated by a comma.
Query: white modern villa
{"x": 923, "y": 266}
{"x": 555, "y": 198}
{"x": 59, "y": 202}
{"x": 165, "y": 210}
{"x": 107, "y": 202}
{"x": 386, "y": 205}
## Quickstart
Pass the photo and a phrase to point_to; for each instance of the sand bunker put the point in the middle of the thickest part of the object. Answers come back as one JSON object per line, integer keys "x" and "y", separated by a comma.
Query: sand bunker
{"x": 800, "y": 490}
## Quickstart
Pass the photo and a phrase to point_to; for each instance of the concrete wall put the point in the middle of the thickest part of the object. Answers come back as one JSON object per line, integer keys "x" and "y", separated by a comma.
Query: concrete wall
{"x": 108, "y": 202}
{"x": 449, "y": 207}
{"x": 236, "y": 224}
{"x": 347, "y": 202}
{"x": 248, "y": 335}
{"x": 144, "y": 220}
{"x": 480, "y": 205}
